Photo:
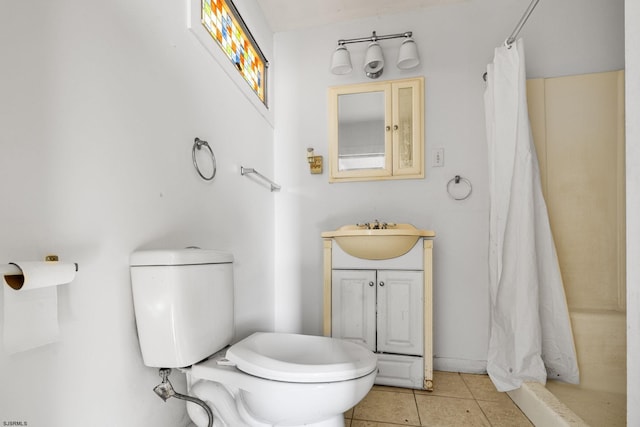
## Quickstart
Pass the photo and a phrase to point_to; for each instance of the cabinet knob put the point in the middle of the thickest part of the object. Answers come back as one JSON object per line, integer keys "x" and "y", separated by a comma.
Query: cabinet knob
{"x": 388, "y": 128}
{"x": 381, "y": 283}
{"x": 395, "y": 127}
{"x": 371, "y": 283}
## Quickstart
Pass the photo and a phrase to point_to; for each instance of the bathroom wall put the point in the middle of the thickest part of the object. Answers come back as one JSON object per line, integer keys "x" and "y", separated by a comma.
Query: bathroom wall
{"x": 99, "y": 105}
{"x": 455, "y": 43}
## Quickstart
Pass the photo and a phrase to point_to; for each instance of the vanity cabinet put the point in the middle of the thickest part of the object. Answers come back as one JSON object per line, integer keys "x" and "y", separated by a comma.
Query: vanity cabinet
{"x": 376, "y": 131}
{"x": 381, "y": 310}
{"x": 384, "y": 305}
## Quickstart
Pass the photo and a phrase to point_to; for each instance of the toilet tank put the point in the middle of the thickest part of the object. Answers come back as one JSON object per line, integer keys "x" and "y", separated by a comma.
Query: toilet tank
{"x": 183, "y": 302}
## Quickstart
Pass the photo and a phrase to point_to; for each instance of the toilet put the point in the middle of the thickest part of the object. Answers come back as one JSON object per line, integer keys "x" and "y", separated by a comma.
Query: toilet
{"x": 183, "y": 302}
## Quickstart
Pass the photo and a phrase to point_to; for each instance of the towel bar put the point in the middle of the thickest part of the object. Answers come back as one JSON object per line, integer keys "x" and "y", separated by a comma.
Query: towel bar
{"x": 272, "y": 185}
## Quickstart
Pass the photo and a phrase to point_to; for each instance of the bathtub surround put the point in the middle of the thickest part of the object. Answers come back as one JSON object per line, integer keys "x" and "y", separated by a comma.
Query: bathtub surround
{"x": 578, "y": 126}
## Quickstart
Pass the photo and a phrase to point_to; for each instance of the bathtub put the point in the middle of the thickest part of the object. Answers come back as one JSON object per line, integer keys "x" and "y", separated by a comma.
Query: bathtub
{"x": 600, "y": 399}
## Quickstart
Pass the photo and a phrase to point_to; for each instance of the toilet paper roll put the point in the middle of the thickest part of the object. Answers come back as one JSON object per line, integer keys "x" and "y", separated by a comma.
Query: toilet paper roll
{"x": 40, "y": 274}
{"x": 31, "y": 304}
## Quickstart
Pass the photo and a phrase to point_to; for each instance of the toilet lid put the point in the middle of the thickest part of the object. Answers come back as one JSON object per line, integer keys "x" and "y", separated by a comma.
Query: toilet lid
{"x": 301, "y": 358}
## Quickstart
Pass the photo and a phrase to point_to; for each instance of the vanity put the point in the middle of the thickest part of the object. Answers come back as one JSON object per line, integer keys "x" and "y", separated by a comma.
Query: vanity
{"x": 378, "y": 293}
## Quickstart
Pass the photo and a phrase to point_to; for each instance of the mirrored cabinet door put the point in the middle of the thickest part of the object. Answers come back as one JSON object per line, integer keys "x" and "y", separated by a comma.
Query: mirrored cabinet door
{"x": 364, "y": 140}
{"x": 375, "y": 131}
{"x": 361, "y": 132}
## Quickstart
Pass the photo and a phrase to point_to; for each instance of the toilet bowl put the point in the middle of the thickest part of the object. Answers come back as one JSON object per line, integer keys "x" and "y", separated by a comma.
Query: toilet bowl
{"x": 284, "y": 380}
{"x": 183, "y": 303}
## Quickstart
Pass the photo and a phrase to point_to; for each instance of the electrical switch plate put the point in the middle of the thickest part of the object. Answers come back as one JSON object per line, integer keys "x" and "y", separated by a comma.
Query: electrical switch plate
{"x": 437, "y": 157}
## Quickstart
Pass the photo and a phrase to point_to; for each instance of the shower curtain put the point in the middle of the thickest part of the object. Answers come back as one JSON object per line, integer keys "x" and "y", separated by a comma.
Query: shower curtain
{"x": 530, "y": 331}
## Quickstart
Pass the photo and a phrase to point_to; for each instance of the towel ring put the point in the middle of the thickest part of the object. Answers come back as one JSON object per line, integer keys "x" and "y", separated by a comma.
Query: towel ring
{"x": 457, "y": 180}
{"x": 197, "y": 144}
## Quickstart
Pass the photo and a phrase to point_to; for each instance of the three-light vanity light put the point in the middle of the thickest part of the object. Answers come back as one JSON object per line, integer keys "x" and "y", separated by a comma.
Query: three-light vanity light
{"x": 374, "y": 59}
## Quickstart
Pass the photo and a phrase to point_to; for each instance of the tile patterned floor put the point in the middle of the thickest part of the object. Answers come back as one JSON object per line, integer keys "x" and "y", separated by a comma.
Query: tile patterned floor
{"x": 464, "y": 400}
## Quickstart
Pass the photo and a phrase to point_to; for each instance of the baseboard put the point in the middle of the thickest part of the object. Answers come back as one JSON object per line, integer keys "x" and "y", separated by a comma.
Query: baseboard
{"x": 449, "y": 364}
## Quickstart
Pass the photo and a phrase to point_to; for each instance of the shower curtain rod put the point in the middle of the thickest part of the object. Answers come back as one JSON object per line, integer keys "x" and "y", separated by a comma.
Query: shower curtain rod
{"x": 518, "y": 27}
{"x": 521, "y": 23}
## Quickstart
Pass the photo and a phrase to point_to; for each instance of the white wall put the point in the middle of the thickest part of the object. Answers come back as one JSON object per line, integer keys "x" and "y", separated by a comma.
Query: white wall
{"x": 632, "y": 49}
{"x": 455, "y": 44}
{"x": 99, "y": 104}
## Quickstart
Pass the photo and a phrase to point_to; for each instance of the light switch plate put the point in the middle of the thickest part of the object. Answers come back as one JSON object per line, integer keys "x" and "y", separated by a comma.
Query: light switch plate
{"x": 437, "y": 157}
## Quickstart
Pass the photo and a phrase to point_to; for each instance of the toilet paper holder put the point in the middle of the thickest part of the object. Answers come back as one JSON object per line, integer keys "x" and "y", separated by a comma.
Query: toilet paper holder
{"x": 12, "y": 269}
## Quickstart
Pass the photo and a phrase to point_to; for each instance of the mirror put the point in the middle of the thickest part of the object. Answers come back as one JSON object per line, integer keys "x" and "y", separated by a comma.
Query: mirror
{"x": 361, "y": 131}
{"x": 376, "y": 131}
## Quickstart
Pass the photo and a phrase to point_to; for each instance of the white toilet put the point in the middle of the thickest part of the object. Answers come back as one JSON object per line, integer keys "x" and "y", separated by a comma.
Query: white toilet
{"x": 183, "y": 302}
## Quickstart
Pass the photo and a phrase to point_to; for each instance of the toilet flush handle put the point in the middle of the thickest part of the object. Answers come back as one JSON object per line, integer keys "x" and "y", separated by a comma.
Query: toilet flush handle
{"x": 225, "y": 362}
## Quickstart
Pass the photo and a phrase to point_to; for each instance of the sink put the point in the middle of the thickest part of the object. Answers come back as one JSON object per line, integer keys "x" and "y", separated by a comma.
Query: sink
{"x": 386, "y": 243}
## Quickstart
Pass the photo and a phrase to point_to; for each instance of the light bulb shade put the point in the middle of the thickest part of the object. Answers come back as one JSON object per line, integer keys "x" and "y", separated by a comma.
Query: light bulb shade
{"x": 373, "y": 60}
{"x": 341, "y": 61}
{"x": 408, "y": 56}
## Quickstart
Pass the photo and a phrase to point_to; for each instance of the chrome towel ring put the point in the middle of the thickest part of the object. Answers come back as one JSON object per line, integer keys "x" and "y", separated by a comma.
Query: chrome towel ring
{"x": 197, "y": 144}
{"x": 459, "y": 194}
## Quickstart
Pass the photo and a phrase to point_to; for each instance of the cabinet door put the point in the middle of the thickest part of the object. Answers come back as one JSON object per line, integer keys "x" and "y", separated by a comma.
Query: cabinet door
{"x": 360, "y": 132}
{"x": 353, "y": 306}
{"x": 400, "y": 312}
{"x": 407, "y": 128}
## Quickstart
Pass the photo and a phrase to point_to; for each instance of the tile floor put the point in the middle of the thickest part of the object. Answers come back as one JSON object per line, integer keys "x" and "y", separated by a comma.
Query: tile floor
{"x": 464, "y": 400}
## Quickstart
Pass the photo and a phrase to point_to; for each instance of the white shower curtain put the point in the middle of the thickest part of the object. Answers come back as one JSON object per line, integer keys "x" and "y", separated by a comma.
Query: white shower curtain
{"x": 530, "y": 336}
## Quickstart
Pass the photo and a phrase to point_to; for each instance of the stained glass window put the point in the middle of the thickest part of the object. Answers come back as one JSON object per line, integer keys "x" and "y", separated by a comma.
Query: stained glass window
{"x": 224, "y": 23}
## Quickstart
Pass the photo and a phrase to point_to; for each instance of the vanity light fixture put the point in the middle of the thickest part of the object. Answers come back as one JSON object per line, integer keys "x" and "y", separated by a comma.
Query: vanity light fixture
{"x": 408, "y": 56}
{"x": 374, "y": 59}
{"x": 341, "y": 61}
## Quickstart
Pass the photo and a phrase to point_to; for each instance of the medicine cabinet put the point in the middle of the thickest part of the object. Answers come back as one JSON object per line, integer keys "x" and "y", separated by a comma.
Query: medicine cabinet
{"x": 376, "y": 131}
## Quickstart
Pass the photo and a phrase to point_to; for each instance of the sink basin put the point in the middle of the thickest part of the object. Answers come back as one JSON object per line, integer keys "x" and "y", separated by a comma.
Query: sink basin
{"x": 385, "y": 243}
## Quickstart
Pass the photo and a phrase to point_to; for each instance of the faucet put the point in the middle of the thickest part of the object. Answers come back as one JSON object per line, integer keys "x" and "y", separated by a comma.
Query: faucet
{"x": 376, "y": 225}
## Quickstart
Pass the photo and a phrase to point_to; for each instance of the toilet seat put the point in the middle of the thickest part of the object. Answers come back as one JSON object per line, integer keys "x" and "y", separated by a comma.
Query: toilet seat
{"x": 301, "y": 358}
